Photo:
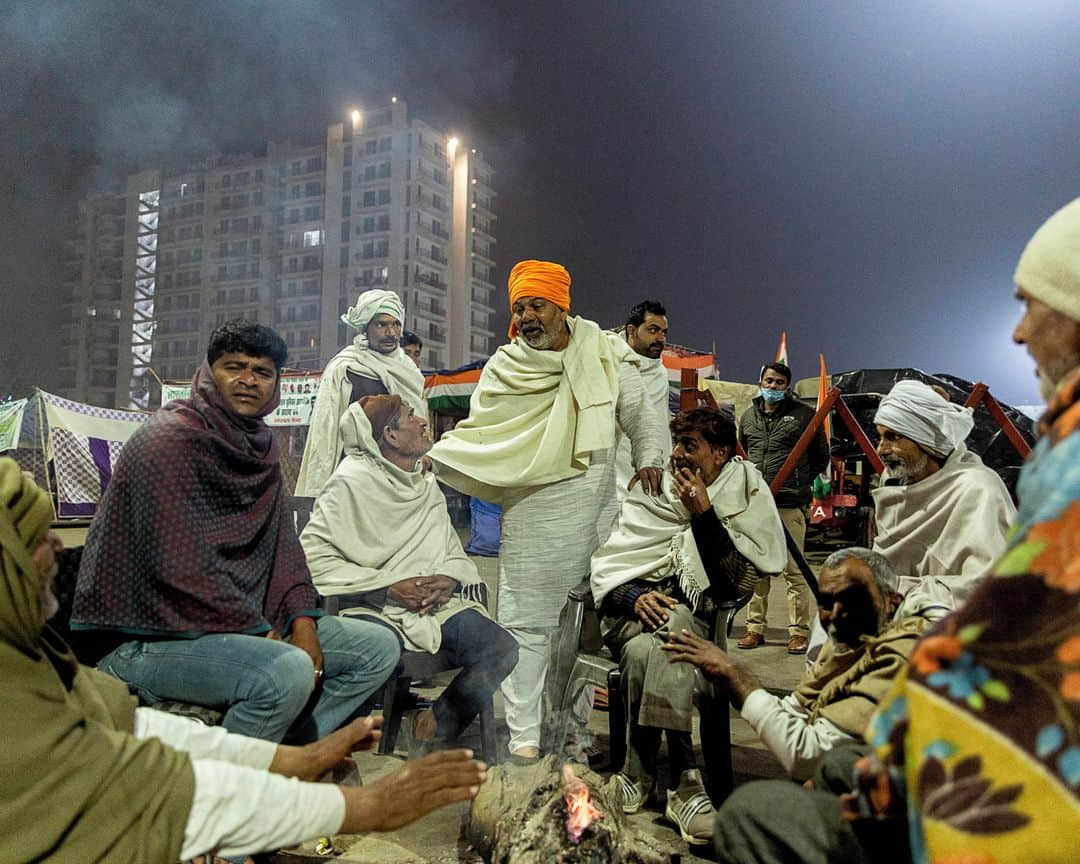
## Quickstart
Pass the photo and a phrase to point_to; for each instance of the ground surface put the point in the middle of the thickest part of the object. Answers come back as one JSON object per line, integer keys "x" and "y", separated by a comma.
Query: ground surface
{"x": 437, "y": 839}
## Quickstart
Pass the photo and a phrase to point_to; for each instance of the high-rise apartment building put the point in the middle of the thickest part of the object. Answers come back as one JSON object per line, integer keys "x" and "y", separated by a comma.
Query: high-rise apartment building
{"x": 288, "y": 239}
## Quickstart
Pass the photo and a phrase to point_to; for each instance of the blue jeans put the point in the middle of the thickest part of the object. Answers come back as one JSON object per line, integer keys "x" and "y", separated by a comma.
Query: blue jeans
{"x": 267, "y": 688}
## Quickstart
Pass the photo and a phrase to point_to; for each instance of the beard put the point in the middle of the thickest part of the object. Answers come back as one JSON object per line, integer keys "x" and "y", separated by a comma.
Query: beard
{"x": 540, "y": 338}
{"x": 1047, "y": 384}
{"x": 901, "y": 472}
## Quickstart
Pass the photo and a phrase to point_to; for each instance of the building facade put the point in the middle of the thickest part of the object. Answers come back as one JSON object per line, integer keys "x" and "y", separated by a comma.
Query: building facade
{"x": 288, "y": 239}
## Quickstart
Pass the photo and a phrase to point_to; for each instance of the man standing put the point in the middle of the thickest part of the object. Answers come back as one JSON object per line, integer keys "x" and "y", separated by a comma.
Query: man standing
{"x": 380, "y": 538}
{"x": 193, "y": 585}
{"x": 413, "y": 346}
{"x": 646, "y": 332}
{"x": 374, "y": 363}
{"x": 88, "y": 776}
{"x": 939, "y": 511}
{"x": 539, "y": 440}
{"x": 768, "y": 432}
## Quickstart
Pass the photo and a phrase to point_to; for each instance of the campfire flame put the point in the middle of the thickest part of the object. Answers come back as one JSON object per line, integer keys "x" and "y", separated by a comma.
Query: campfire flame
{"x": 579, "y": 806}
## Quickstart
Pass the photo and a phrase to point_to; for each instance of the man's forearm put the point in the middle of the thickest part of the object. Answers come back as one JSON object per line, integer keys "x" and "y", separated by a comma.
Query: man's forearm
{"x": 740, "y": 682}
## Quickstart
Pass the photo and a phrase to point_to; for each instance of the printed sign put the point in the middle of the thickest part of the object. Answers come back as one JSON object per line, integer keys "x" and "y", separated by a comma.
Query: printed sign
{"x": 11, "y": 417}
{"x": 297, "y": 398}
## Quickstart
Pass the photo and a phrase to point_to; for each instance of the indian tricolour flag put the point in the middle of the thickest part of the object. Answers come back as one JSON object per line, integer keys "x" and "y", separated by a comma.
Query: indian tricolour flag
{"x": 781, "y": 349}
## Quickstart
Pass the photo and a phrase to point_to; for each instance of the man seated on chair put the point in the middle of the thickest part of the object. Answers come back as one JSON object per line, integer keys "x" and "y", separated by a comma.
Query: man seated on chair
{"x": 706, "y": 539}
{"x": 939, "y": 511}
{"x": 193, "y": 586}
{"x": 871, "y": 633}
{"x": 380, "y": 533}
{"x": 88, "y": 776}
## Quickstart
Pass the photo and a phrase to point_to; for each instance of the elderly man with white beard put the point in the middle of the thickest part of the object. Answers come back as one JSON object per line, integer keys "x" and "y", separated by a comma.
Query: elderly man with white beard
{"x": 939, "y": 511}
{"x": 372, "y": 365}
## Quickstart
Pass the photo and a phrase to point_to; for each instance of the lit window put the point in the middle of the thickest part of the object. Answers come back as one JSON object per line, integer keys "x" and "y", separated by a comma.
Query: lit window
{"x": 313, "y": 238}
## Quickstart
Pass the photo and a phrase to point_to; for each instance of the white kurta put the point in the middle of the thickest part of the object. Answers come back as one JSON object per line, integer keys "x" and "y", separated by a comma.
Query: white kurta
{"x": 548, "y": 532}
{"x": 951, "y": 525}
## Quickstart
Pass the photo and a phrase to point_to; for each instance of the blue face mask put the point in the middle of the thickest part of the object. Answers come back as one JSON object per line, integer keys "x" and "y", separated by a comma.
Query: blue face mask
{"x": 772, "y": 395}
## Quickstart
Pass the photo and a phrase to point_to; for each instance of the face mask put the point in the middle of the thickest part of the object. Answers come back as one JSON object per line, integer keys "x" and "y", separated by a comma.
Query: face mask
{"x": 772, "y": 395}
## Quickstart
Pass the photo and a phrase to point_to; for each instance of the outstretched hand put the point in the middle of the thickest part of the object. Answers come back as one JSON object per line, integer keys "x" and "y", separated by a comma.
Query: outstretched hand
{"x": 412, "y": 791}
{"x": 715, "y": 663}
{"x": 312, "y": 761}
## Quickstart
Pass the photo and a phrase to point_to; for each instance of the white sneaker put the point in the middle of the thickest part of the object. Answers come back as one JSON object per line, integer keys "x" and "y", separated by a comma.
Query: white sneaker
{"x": 629, "y": 794}
{"x": 690, "y": 809}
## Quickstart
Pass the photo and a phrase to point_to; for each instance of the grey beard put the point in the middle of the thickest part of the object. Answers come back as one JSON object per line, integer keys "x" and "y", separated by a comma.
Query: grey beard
{"x": 541, "y": 341}
{"x": 1047, "y": 386}
{"x": 903, "y": 473}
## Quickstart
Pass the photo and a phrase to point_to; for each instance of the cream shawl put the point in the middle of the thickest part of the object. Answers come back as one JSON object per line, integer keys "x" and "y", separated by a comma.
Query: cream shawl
{"x": 375, "y": 524}
{"x": 653, "y": 538}
{"x": 950, "y": 525}
{"x": 536, "y": 416}
{"x": 322, "y": 452}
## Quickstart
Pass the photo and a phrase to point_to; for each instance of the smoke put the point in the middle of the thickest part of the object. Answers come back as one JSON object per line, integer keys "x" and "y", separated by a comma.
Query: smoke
{"x": 101, "y": 88}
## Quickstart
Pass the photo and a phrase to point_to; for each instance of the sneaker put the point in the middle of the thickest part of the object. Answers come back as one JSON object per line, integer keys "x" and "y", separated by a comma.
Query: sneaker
{"x": 690, "y": 809}
{"x": 629, "y": 794}
{"x": 751, "y": 640}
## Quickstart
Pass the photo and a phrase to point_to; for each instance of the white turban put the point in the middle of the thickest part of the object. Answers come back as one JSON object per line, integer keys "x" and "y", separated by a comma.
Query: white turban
{"x": 1049, "y": 268}
{"x": 918, "y": 412}
{"x": 370, "y": 303}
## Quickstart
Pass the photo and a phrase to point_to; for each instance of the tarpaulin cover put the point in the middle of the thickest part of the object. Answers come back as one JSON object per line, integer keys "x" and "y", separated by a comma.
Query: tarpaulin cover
{"x": 863, "y": 389}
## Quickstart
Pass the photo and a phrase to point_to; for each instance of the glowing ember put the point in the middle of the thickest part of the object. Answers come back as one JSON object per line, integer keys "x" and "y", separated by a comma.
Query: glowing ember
{"x": 579, "y": 806}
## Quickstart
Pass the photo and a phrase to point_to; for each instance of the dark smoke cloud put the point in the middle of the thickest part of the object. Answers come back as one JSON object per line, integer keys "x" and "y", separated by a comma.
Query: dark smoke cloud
{"x": 97, "y": 89}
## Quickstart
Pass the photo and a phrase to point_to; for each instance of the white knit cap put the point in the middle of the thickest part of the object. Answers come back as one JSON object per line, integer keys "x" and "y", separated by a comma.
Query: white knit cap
{"x": 918, "y": 412}
{"x": 1049, "y": 268}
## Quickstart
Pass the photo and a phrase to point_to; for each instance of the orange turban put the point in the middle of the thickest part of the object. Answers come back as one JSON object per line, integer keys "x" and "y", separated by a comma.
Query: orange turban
{"x": 544, "y": 279}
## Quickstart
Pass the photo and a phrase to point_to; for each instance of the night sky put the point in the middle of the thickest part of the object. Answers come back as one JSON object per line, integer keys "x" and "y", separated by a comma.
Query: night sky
{"x": 862, "y": 175}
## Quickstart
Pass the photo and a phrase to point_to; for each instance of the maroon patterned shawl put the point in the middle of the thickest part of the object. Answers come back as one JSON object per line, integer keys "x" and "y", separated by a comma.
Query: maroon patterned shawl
{"x": 191, "y": 536}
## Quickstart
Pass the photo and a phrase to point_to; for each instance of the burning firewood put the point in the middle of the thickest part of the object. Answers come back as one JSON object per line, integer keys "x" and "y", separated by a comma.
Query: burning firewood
{"x": 547, "y": 813}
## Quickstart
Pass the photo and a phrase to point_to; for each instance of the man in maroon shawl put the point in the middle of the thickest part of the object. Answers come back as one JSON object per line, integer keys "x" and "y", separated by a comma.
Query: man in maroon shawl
{"x": 193, "y": 585}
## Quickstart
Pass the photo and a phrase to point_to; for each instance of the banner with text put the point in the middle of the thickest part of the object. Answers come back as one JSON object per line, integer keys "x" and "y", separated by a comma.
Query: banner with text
{"x": 11, "y": 417}
{"x": 297, "y": 398}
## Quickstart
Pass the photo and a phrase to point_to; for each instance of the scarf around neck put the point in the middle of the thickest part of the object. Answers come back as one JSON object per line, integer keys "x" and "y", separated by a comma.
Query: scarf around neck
{"x": 375, "y": 524}
{"x": 536, "y": 416}
{"x": 191, "y": 536}
{"x": 653, "y": 538}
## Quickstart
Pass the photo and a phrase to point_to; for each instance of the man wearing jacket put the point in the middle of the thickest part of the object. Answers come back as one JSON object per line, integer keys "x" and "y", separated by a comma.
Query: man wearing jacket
{"x": 768, "y": 432}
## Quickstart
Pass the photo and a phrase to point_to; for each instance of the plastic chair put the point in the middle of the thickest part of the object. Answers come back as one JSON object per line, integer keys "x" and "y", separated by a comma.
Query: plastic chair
{"x": 575, "y": 666}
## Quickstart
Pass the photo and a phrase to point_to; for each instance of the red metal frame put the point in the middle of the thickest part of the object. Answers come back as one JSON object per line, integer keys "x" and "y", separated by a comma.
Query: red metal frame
{"x": 981, "y": 394}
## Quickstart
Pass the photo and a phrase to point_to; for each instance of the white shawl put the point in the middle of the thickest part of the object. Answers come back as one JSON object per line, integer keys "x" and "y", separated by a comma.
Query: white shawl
{"x": 653, "y": 538}
{"x": 322, "y": 452}
{"x": 374, "y": 525}
{"x": 536, "y": 416}
{"x": 950, "y": 525}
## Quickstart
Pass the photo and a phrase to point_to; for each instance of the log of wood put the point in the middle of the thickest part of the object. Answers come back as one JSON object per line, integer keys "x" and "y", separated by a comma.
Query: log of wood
{"x": 519, "y": 817}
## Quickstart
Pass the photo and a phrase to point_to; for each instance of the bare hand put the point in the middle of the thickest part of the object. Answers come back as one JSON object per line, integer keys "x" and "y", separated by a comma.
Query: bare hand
{"x": 412, "y": 791}
{"x": 691, "y": 490}
{"x": 409, "y": 593}
{"x": 688, "y": 647}
{"x": 313, "y": 760}
{"x": 306, "y": 637}
{"x": 439, "y": 589}
{"x": 652, "y": 480}
{"x": 425, "y": 464}
{"x": 714, "y": 662}
{"x": 652, "y": 607}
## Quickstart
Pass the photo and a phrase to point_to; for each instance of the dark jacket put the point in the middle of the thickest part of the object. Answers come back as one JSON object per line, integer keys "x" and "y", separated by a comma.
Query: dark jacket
{"x": 768, "y": 438}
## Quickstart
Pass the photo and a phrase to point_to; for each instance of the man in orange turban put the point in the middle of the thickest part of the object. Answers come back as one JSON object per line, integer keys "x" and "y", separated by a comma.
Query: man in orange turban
{"x": 539, "y": 440}
{"x": 532, "y": 280}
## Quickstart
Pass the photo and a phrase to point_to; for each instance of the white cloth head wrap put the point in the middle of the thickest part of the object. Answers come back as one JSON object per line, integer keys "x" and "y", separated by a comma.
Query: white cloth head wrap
{"x": 1049, "y": 268}
{"x": 375, "y": 301}
{"x": 918, "y": 412}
